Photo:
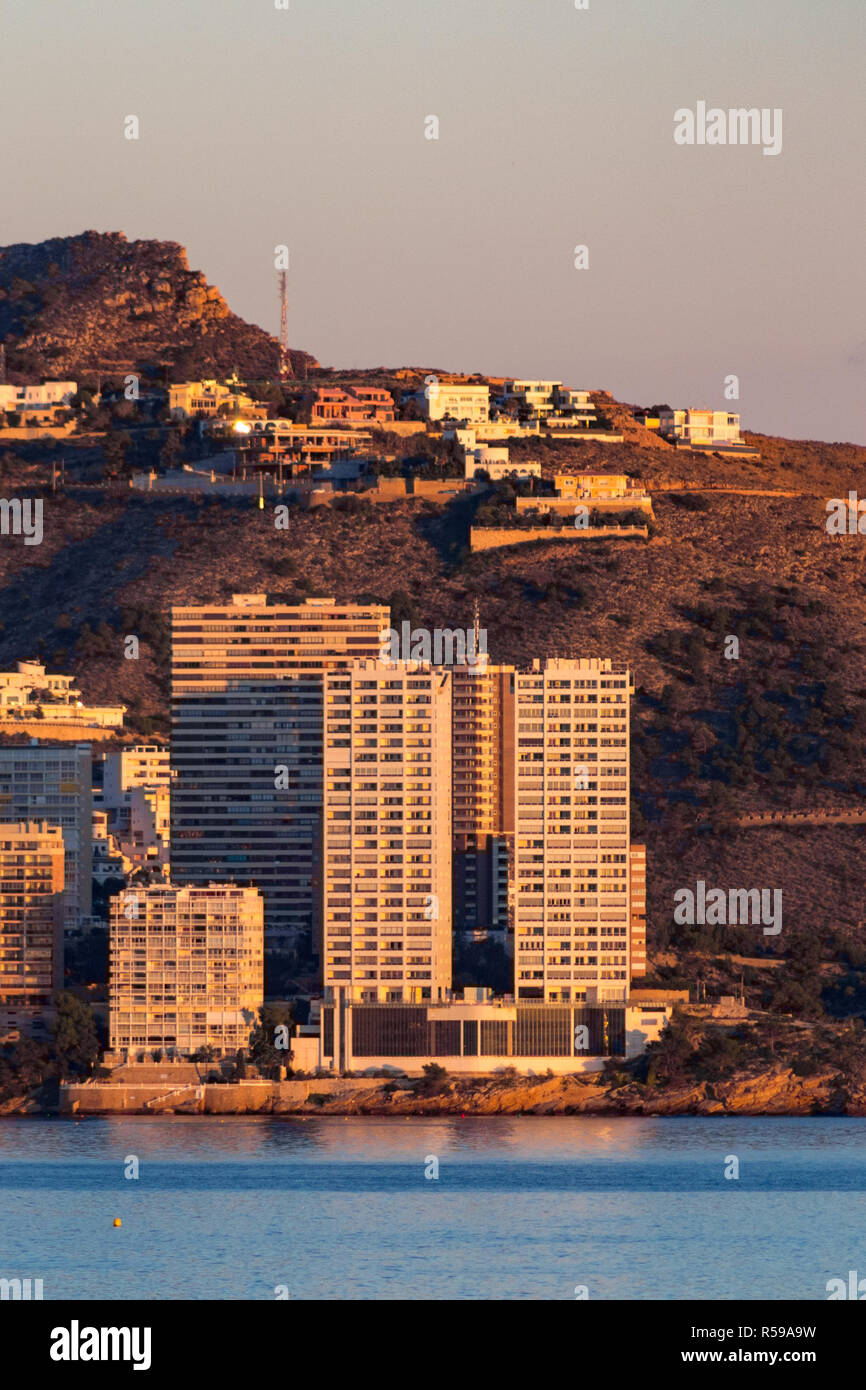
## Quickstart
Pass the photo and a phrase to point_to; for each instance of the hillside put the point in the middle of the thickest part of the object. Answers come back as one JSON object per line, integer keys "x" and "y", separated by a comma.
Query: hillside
{"x": 782, "y": 725}
{"x": 75, "y": 306}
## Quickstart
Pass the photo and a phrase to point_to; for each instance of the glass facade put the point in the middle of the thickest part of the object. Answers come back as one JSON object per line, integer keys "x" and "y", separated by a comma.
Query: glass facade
{"x": 405, "y": 1030}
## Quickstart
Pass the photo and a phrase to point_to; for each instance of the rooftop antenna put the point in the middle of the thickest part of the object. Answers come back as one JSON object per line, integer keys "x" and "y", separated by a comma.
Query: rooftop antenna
{"x": 285, "y": 360}
{"x": 2, "y": 364}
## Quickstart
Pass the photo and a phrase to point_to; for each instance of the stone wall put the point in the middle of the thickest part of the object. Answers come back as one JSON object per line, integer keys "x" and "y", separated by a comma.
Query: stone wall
{"x": 245, "y": 1097}
{"x": 491, "y": 537}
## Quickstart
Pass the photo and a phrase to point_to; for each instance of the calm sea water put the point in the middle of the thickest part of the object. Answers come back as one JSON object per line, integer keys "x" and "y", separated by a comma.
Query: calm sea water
{"x": 523, "y": 1208}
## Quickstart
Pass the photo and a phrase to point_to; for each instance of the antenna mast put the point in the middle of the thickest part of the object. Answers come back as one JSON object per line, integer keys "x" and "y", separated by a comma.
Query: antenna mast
{"x": 285, "y": 359}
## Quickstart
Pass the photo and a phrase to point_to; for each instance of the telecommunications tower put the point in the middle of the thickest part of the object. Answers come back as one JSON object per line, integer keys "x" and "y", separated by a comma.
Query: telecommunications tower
{"x": 285, "y": 360}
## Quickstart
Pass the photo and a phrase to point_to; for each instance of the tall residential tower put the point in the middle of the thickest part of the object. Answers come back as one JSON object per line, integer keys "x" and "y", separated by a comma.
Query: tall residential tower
{"x": 571, "y": 859}
{"x": 31, "y": 922}
{"x": 386, "y": 918}
{"x": 246, "y": 795}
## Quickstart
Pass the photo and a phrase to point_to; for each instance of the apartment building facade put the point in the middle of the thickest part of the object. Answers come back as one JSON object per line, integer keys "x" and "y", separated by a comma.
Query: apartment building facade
{"x": 386, "y": 914}
{"x": 136, "y": 798}
{"x": 141, "y": 765}
{"x": 186, "y": 969}
{"x": 247, "y": 757}
{"x": 637, "y": 908}
{"x": 54, "y": 784}
{"x": 31, "y": 923}
{"x": 571, "y": 822}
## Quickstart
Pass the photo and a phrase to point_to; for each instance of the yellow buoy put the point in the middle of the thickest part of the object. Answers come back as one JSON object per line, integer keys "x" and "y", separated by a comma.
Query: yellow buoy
{"x": 117, "y": 1221}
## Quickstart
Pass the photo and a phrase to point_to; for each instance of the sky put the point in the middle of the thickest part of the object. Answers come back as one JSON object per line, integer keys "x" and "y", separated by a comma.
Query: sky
{"x": 306, "y": 127}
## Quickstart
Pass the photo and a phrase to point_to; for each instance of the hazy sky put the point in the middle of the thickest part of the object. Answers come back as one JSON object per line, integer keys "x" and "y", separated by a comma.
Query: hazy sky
{"x": 261, "y": 126}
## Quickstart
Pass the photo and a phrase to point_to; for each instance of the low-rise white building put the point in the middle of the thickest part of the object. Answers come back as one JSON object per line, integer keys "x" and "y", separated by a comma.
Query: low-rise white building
{"x": 700, "y": 428}
{"x": 479, "y": 1034}
{"x": 455, "y": 401}
{"x": 188, "y": 398}
{"x": 552, "y": 403}
{"x": 539, "y": 397}
{"x": 47, "y": 395}
{"x": 30, "y": 692}
{"x": 496, "y": 463}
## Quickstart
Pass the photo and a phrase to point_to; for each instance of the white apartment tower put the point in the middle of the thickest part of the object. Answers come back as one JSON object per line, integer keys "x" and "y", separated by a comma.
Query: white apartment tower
{"x": 386, "y": 917}
{"x": 571, "y": 805}
{"x": 246, "y": 792}
{"x": 186, "y": 968}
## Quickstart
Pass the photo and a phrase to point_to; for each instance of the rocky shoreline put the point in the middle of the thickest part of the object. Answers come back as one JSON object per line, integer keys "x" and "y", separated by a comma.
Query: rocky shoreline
{"x": 773, "y": 1092}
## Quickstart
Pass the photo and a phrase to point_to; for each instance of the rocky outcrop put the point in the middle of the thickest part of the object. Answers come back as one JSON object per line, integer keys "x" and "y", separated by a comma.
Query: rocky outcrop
{"x": 776, "y": 1092}
{"x": 74, "y": 306}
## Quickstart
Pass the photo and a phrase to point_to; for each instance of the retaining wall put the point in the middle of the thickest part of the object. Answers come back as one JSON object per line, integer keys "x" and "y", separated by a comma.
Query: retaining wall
{"x": 492, "y": 537}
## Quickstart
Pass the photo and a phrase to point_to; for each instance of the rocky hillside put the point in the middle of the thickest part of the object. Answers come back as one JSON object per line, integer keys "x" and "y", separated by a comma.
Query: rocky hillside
{"x": 779, "y": 724}
{"x": 74, "y": 306}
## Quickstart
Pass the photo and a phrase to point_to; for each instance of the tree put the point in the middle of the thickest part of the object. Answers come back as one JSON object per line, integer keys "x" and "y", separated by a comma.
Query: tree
{"x": 668, "y": 1059}
{"x": 115, "y": 448}
{"x": 23, "y": 1067}
{"x": 172, "y": 450}
{"x": 264, "y": 1037}
{"x": 797, "y": 985}
{"x": 402, "y": 609}
{"x": 435, "y": 1080}
{"x": 75, "y": 1039}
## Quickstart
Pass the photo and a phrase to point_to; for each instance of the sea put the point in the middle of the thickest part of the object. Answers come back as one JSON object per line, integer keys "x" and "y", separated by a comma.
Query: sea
{"x": 517, "y": 1207}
